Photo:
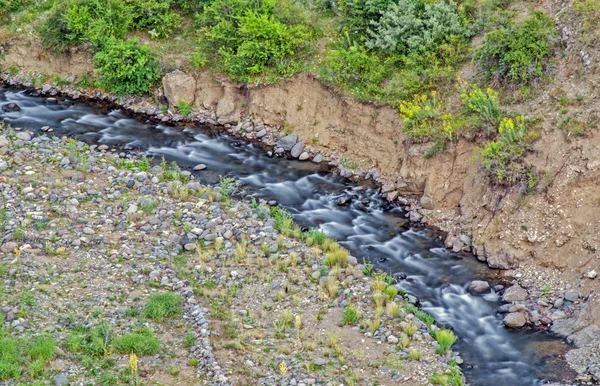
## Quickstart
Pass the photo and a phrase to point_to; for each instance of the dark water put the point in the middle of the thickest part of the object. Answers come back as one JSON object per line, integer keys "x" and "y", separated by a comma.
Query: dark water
{"x": 366, "y": 226}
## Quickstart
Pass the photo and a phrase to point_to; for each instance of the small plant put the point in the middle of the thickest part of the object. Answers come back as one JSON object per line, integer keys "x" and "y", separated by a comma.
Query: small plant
{"x": 161, "y": 306}
{"x": 351, "y": 315}
{"x": 141, "y": 342}
{"x": 189, "y": 339}
{"x": 410, "y": 329}
{"x": 483, "y": 103}
{"x": 445, "y": 339}
{"x": 420, "y": 115}
{"x": 184, "y": 108}
{"x": 414, "y": 355}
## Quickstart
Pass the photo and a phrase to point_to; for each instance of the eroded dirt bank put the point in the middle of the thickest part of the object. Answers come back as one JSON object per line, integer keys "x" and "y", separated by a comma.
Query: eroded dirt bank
{"x": 547, "y": 241}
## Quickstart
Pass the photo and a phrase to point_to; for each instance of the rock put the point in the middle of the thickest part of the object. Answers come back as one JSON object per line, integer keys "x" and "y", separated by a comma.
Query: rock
{"x": 226, "y": 105}
{"x": 304, "y": 156}
{"x": 60, "y": 379}
{"x": 414, "y": 216}
{"x": 558, "y": 303}
{"x": 317, "y": 159}
{"x": 228, "y": 235}
{"x": 179, "y": 87}
{"x": 392, "y": 339}
{"x": 9, "y": 247}
{"x": 297, "y": 150}
{"x": 319, "y": 362}
{"x": 88, "y": 231}
{"x": 514, "y": 294}
{"x": 352, "y": 260}
{"x": 10, "y": 107}
{"x": 132, "y": 209}
{"x": 261, "y": 133}
{"x": 24, "y": 136}
{"x": 571, "y": 296}
{"x": 591, "y": 274}
{"x": 199, "y": 167}
{"x": 479, "y": 287}
{"x": 287, "y": 142}
{"x": 515, "y": 320}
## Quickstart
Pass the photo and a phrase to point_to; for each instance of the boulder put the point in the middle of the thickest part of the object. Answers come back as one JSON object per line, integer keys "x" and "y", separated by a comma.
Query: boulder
{"x": 287, "y": 142}
{"x": 297, "y": 150}
{"x": 515, "y": 319}
{"x": 179, "y": 87}
{"x": 516, "y": 293}
{"x": 10, "y": 107}
{"x": 479, "y": 287}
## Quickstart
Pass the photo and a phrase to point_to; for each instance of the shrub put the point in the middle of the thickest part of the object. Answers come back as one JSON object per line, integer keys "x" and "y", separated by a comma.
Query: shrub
{"x": 155, "y": 16}
{"x": 411, "y": 26}
{"x": 519, "y": 52}
{"x": 126, "y": 67}
{"x": 249, "y": 37}
{"x": 445, "y": 339}
{"x": 141, "y": 342}
{"x": 161, "y": 306}
{"x": 78, "y": 21}
{"x": 502, "y": 160}
{"x": 420, "y": 115}
{"x": 485, "y": 104}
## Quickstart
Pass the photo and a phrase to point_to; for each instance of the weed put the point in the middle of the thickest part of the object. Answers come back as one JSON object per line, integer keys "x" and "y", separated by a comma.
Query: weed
{"x": 351, "y": 315}
{"x": 141, "y": 342}
{"x": 161, "y": 306}
{"x": 445, "y": 339}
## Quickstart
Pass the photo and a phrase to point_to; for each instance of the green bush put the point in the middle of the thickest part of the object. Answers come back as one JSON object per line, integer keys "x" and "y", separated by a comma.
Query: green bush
{"x": 155, "y": 16}
{"x": 126, "y": 67}
{"x": 358, "y": 16}
{"x": 249, "y": 37}
{"x": 81, "y": 21}
{"x": 142, "y": 342}
{"x": 502, "y": 160}
{"x": 412, "y": 26}
{"x": 519, "y": 52}
{"x": 485, "y": 104}
{"x": 445, "y": 339}
{"x": 161, "y": 306}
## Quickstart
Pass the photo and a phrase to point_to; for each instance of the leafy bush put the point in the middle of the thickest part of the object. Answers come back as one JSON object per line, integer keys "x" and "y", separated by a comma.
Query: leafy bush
{"x": 518, "y": 52}
{"x": 141, "y": 342}
{"x": 155, "y": 16}
{"x": 126, "y": 67}
{"x": 502, "y": 160}
{"x": 357, "y": 16}
{"x": 79, "y": 21}
{"x": 485, "y": 104}
{"x": 161, "y": 306}
{"x": 249, "y": 37}
{"x": 412, "y": 26}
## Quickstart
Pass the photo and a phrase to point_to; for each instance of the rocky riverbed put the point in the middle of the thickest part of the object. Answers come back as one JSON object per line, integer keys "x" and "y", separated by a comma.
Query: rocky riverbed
{"x": 91, "y": 237}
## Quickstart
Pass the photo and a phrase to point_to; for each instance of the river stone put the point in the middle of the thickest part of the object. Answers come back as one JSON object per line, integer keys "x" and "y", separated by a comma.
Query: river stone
{"x": 352, "y": 260}
{"x": 287, "y": 142}
{"x": 60, "y": 379}
{"x": 297, "y": 150}
{"x": 516, "y": 293}
{"x": 515, "y": 320}
{"x": 199, "y": 167}
{"x": 10, "y": 107}
{"x": 558, "y": 303}
{"x": 319, "y": 362}
{"x": 304, "y": 156}
{"x": 317, "y": 159}
{"x": 571, "y": 296}
{"x": 24, "y": 136}
{"x": 414, "y": 216}
{"x": 261, "y": 133}
{"x": 479, "y": 287}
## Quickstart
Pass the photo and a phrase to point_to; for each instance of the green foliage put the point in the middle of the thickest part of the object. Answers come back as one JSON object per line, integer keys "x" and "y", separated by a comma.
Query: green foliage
{"x": 126, "y": 67}
{"x": 142, "y": 342}
{"x": 412, "y": 26}
{"x": 518, "y": 52}
{"x": 590, "y": 12}
{"x": 485, "y": 104}
{"x": 445, "y": 339}
{"x": 43, "y": 348}
{"x": 161, "y": 306}
{"x": 351, "y": 315}
{"x": 79, "y": 21}
{"x": 184, "y": 108}
{"x": 10, "y": 353}
{"x": 155, "y": 16}
{"x": 502, "y": 160}
{"x": 357, "y": 16}
{"x": 248, "y": 37}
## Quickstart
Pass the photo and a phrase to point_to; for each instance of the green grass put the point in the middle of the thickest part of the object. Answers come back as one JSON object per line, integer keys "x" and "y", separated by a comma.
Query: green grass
{"x": 162, "y": 306}
{"x": 142, "y": 342}
{"x": 10, "y": 353}
{"x": 445, "y": 339}
{"x": 351, "y": 315}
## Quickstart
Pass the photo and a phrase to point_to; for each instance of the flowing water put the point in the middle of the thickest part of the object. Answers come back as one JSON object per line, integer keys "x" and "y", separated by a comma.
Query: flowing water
{"x": 365, "y": 224}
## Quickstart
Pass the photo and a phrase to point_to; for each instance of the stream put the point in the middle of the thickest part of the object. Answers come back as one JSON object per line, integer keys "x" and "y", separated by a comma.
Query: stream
{"x": 355, "y": 215}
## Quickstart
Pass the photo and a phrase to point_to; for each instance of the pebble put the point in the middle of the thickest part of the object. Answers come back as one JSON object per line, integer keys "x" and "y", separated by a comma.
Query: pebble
{"x": 199, "y": 167}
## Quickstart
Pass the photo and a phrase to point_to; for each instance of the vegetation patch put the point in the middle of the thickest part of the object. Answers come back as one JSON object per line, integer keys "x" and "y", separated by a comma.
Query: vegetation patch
{"x": 162, "y": 306}
{"x": 141, "y": 342}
